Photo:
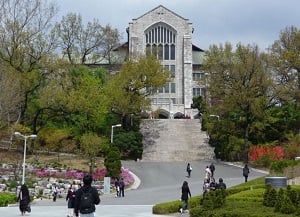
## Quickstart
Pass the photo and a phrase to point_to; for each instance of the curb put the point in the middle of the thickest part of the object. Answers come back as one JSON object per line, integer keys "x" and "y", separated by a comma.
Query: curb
{"x": 240, "y": 166}
{"x": 136, "y": 183}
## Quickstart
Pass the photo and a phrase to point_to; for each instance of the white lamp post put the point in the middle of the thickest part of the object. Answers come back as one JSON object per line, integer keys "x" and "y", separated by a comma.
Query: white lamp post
{"x": 112, "y": 132}
{"x": 24, "y": 155}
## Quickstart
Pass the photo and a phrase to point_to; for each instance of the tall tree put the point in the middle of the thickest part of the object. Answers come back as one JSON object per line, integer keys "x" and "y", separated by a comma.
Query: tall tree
{"x": 25, "y": 43}
{"x": 90, "y": 44}
{"x": 286, "y": 64}
{"x": 90, "y": 147}
{"x": 128, "y": 89}
{"x": 73, "y": 98}
{"x": 239, "y": 82}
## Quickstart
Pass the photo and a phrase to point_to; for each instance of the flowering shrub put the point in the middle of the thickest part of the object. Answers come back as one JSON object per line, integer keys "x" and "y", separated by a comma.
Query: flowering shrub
{"x": 127, "y": 176}
{"x": 98, "y": 174}
{"x": 259, "y": 152}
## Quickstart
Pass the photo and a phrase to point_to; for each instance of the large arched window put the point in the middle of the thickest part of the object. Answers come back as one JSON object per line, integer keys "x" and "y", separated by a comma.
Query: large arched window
{"x": 161, "y": 41}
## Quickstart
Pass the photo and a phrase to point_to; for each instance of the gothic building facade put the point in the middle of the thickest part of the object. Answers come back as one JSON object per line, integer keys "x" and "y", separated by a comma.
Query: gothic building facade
{"x": 167, "y": 35}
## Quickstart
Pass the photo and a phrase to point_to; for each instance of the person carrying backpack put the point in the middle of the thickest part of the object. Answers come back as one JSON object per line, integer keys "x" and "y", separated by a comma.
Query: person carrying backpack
{"x": 86, "y": 198}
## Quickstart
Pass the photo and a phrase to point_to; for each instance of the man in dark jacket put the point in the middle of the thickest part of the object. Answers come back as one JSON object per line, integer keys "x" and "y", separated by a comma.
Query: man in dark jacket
{"x": 185, "y": 193}
{"x": 86, "y": 199}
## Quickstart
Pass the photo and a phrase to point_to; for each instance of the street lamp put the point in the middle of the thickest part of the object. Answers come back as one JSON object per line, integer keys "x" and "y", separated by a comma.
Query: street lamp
{"x": 18, "y": 134}
{"x": 112, "y": 132}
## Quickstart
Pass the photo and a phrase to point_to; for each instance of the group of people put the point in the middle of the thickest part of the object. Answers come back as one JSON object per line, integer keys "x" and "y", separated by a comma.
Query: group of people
{"x": 82, "y": 200}
{"x": 120, "y": 186}
{"x": 209, "y": 184}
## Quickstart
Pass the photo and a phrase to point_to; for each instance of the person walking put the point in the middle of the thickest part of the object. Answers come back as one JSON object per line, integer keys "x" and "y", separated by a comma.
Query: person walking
{"x": 122, "y": 188}
{"x": 54, "y": 192}
{"x": 212, "y": 169}
{"x": 189, "y": 169}
{"x": 117, "y": 186}
{"x": 246, "y": 172}
{"x": 71, "y": 201}
{"x": 207, "y": 173}
{"x": 86, "y": 198}
{"x": 24, "y": 199}
{"x": 185, "y": 193}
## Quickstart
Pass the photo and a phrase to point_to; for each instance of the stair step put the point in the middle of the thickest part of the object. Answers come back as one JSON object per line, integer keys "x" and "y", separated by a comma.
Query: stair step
{"x": 175, "y": 140}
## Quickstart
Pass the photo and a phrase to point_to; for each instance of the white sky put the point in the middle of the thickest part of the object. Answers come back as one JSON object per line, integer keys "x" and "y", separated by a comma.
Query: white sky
{"x": 214, "y": 21}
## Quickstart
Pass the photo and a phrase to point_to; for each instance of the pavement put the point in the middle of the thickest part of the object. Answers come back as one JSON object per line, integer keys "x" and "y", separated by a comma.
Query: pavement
{"x": 155, "y": 182}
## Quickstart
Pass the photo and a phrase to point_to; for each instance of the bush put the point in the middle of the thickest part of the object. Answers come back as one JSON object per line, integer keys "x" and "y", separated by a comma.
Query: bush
{"x": 279, "y": 166}
{"x": 214, "y": 199}
{"x": 270, "y": 196}
{"x": 7, "y": 198}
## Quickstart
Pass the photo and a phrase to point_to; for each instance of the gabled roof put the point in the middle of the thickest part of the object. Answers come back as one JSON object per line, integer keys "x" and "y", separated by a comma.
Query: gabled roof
{"x": 195, "y": 48}
{"x": 161, "y": 6}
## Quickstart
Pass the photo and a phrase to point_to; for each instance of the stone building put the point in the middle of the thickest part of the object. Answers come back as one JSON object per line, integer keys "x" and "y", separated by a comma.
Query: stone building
{"x": 169, "y": 36}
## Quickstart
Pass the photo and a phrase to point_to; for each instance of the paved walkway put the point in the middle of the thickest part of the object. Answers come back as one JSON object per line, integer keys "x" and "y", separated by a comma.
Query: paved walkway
{"x": 59, "y": 211}
{"x": 155, "y": 183}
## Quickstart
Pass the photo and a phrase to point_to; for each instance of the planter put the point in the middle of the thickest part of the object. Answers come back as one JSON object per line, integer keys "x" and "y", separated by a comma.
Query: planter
{"x": 277, "y": 182}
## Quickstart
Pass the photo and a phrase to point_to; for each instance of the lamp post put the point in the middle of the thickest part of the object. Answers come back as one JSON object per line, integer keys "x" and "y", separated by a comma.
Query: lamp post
{"x": 18, "y": 134}
{"x": 112, "y": 132}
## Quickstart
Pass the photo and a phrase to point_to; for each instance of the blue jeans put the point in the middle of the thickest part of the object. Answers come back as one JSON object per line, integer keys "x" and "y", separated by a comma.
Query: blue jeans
{"x": 185, "y": 204}
{"x": 87, "y": 215}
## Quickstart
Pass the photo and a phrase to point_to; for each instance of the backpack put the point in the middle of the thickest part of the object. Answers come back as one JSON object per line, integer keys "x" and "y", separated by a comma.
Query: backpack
{"x": 86, "y": 202}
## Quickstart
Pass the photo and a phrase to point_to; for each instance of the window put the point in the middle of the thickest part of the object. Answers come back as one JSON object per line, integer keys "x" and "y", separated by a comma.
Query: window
{"x": 173, "y": 87}
{"x": 196, "y": 76}
{"x": 161, "y": 41}
{"x": 170, "y": 68}
{"x": 198, "y": 92}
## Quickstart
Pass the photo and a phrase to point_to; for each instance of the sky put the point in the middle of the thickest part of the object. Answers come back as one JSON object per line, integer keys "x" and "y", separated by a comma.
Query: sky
{"x": 254, "y": 22}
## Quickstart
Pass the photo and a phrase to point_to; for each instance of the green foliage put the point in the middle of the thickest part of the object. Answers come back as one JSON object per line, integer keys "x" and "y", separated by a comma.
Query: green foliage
{"x": 279, "y": 166}
{"x": 237, "y": 209}
{"x": 12, "y": 185}
{"x": 287, "y": 207}
{"x": 126, "y": 90}
{"x": 244, "y": 200}
{"x": 7, "y": 198}
{"x": 130, "y": 144}
{"x": 173, "y": 206}
{"x": 270, "y": 195}
{"x": 214, "y": 199}
{"x": 279, "y": 198}
{"x": 113, "y": 163}
{"x": 253, "y": 195}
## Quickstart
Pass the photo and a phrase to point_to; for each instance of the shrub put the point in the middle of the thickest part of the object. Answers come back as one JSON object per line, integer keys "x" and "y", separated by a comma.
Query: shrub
{"x": 279, "y": 166}
{"x": 270, "y": 195}
{"x": 214, "y": 199}
{"x": 278, "y": 203}
{"x": 7, "y": 198}
{"x": 287, "y": 206}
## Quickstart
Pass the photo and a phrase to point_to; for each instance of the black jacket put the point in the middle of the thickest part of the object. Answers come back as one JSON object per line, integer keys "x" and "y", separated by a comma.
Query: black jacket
{"x": 185, "y": 192}
{"x": 80, "y": 191}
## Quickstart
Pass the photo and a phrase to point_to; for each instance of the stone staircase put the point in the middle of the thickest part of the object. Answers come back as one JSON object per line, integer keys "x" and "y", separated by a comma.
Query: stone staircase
{"x": 168, "y": 140}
